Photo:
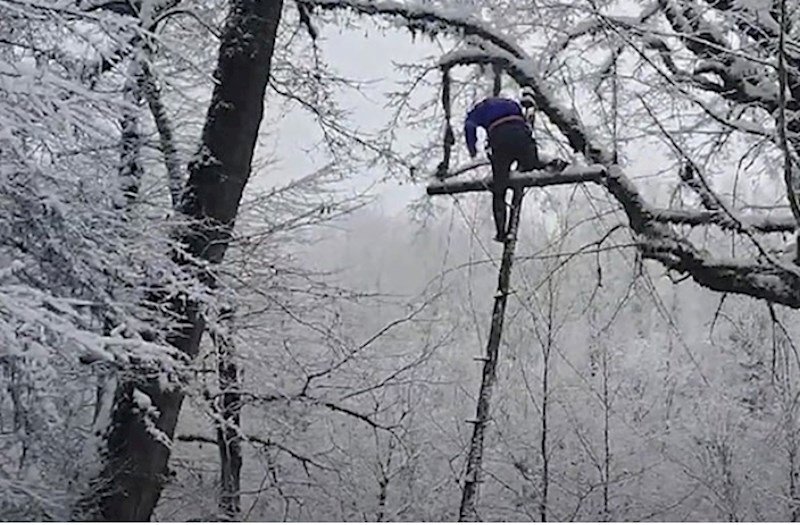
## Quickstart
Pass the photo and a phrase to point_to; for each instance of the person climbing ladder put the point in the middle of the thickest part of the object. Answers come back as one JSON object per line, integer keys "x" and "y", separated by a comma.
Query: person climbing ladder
{"x": 510, "y": 140}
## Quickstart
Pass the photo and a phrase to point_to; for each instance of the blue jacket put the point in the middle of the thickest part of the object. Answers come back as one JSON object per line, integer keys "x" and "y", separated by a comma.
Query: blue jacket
{"x": 482, "y": 116}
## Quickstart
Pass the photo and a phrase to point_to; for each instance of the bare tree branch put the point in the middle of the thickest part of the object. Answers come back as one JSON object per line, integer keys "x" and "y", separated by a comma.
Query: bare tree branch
{"x": 305, "y": 460}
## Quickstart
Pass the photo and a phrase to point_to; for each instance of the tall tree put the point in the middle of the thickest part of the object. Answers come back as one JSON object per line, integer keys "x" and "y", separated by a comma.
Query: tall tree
{"x": 135, "y": 468}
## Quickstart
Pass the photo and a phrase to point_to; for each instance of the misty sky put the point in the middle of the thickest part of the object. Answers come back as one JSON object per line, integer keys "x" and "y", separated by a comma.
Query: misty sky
{"x": 368, "y": 55}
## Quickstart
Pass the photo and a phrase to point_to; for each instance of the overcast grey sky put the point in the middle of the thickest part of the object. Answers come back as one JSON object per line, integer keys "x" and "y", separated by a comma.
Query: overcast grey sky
{"x": 370, "y": 55}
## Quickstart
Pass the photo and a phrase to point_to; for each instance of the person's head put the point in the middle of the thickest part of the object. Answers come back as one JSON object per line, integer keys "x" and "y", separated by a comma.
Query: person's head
{"x": 526, "y": 98}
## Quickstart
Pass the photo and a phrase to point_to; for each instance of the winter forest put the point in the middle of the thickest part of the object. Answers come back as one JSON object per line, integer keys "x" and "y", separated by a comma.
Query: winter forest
{"x": 232, "y": 289}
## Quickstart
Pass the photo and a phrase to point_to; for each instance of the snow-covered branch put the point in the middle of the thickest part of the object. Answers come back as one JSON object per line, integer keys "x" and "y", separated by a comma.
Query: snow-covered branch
{"x": 595, "y": 174}
{"x": 535, "y": 179}
{"x": 698, "y": 218}
{"x": 711, "y": 47}
{"x": 421, "y": 17}
{"x": 169, "y": 149}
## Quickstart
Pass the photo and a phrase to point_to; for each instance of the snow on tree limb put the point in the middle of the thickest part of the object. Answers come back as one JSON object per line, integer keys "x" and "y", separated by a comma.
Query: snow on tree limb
{"x": 169, "y": 149}
{"x": 698, "y": 218}
{"x": 421, "y": 17}
{"x": 24, "y": 307}
{"x": 535, "y": 179}
{"x": 709, "y": 45}
{"x": 595, "y": 174}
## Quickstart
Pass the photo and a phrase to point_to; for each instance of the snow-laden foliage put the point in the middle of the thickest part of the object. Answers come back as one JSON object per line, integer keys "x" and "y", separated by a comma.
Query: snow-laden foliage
{"x": 98, "y": 109}
{"x": 79, "y": 264}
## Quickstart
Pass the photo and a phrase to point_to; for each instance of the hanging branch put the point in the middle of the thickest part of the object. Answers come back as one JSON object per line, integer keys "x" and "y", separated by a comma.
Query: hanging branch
{"x": 498, "y": 80}
{"x": 305, "y": 20}
{"x": 449, "y": 138}
{"x": 615, "y": 107}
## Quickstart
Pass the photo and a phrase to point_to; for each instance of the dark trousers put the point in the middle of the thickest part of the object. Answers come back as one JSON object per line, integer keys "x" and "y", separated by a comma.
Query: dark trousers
{"x": 509, "y": 142}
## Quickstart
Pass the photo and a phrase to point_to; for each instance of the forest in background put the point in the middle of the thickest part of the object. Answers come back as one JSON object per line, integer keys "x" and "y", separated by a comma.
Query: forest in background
{"x": 190, "y": 329}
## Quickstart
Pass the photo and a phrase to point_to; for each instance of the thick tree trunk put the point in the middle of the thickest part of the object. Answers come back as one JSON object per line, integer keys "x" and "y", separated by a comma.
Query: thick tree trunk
{"x": 135, "y": 463}
{"x": 469, "y": 496}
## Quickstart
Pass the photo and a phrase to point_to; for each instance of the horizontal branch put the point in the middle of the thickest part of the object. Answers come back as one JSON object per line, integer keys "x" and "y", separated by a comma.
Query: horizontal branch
{"x": 595, "y": 174}
{"x": 774, "y": 283}
{"x": 194, "y": 438}
{"x": 698, "y": 218}
{"x": 521, "y": 180}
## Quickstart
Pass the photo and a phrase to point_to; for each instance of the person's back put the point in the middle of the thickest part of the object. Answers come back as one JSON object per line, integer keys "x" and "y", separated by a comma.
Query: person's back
{"x": 485, "y": 114}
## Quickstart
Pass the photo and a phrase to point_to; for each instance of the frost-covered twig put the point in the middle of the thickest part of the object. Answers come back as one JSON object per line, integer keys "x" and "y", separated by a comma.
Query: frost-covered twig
{"x": 305, "y": 460}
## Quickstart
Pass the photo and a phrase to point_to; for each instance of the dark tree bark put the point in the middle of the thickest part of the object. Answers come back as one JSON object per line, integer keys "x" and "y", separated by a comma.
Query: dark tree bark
{"x": 135, "y": 462}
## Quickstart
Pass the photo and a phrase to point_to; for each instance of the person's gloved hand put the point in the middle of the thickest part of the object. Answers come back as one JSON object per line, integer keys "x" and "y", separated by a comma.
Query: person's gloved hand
{"x": 557, "y": 164}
